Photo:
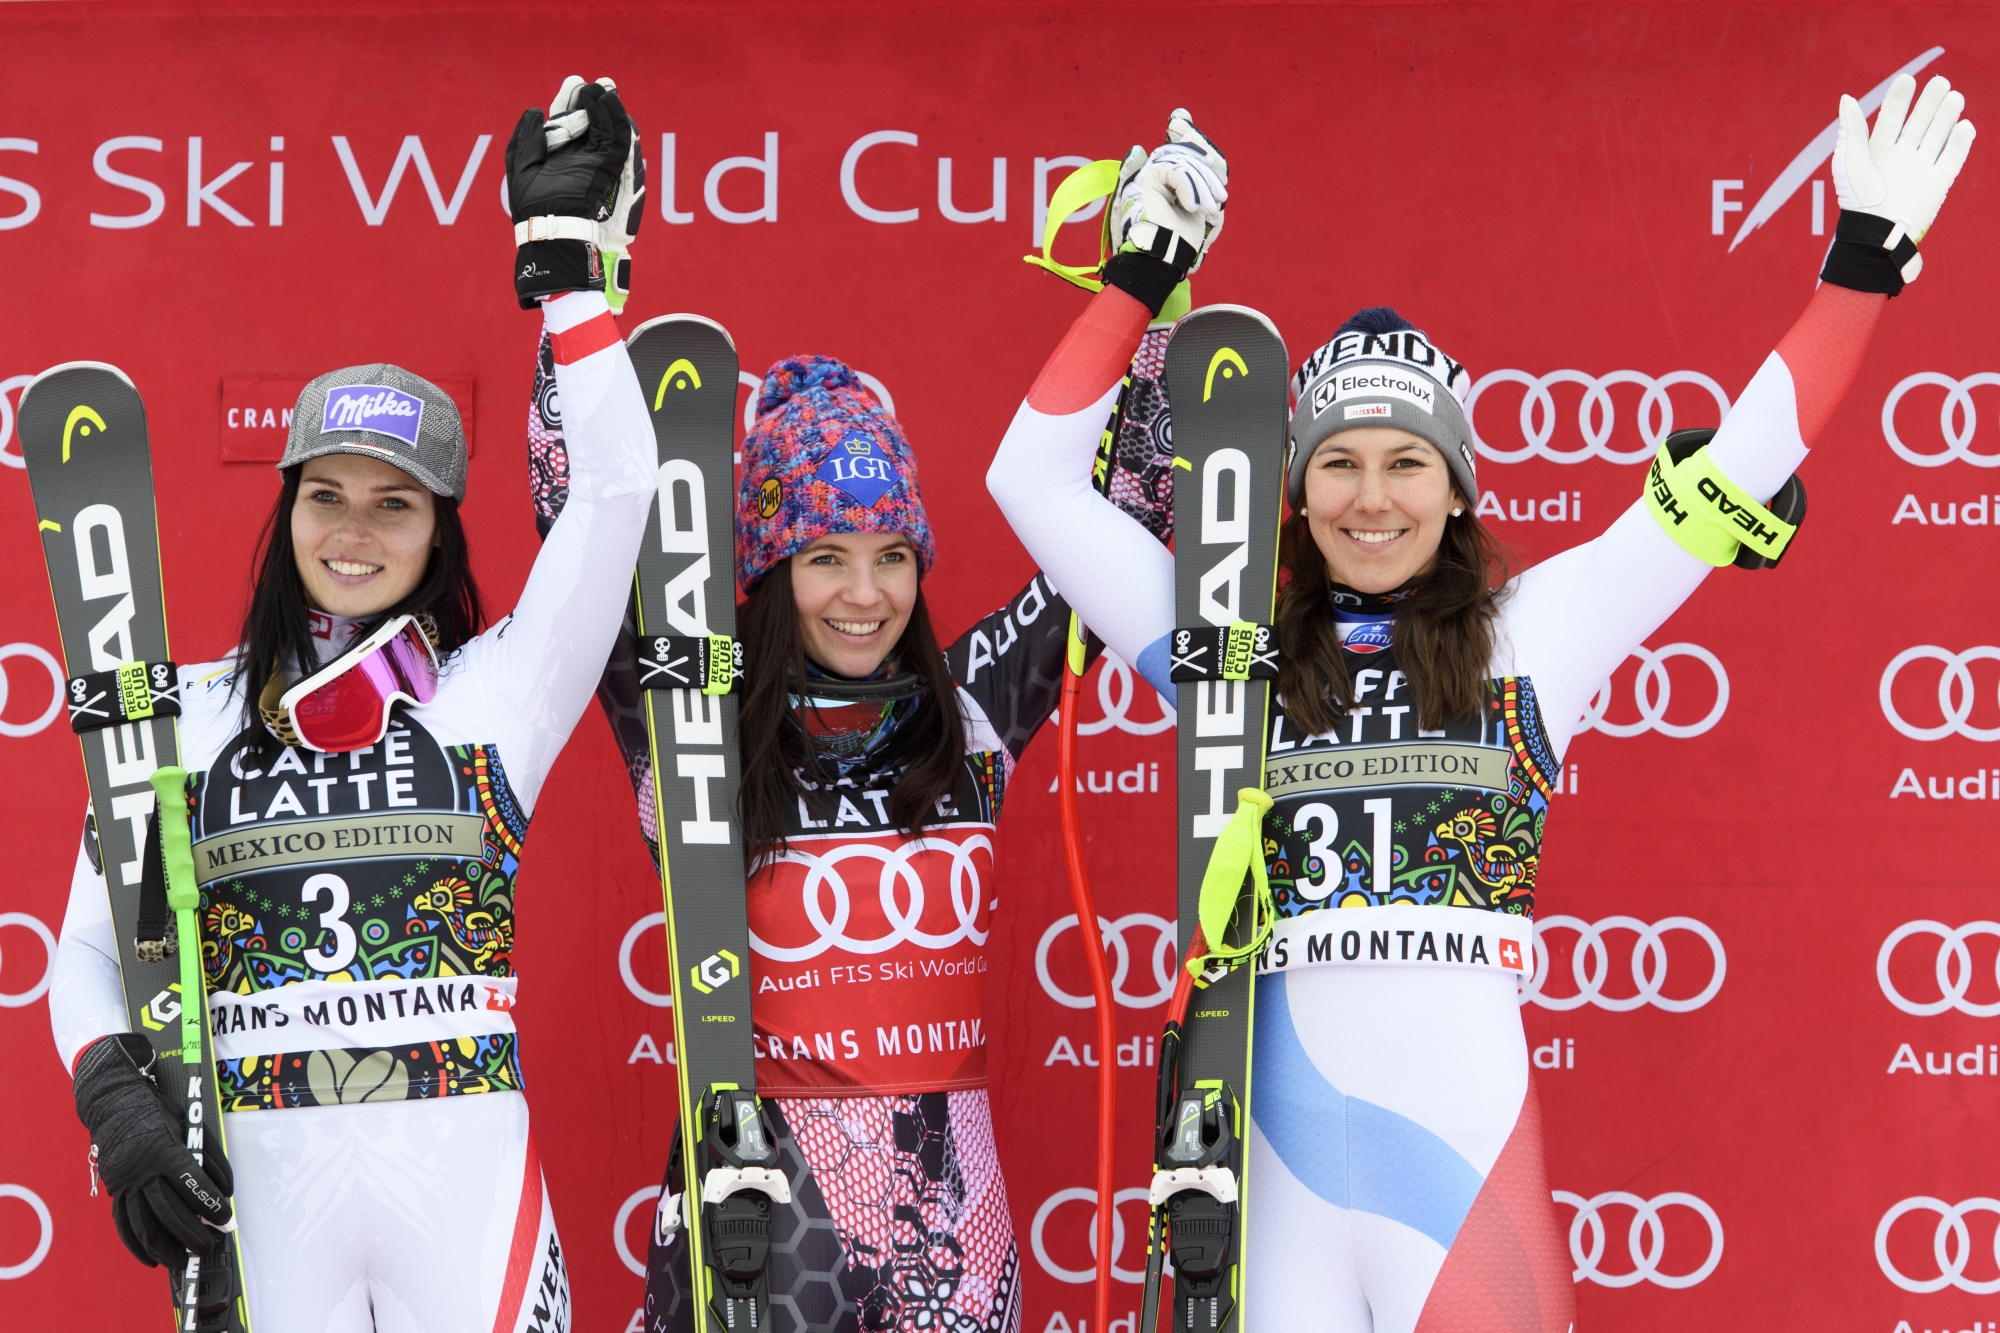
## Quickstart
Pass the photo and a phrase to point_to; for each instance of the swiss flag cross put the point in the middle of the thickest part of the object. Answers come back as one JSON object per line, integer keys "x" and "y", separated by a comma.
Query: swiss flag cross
{"x": 1510, "y": 955}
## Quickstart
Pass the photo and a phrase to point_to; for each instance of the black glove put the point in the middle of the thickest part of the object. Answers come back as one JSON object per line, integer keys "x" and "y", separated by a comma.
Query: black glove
{"x": 577, "y": 185}
{"x": 164, "y": 1203}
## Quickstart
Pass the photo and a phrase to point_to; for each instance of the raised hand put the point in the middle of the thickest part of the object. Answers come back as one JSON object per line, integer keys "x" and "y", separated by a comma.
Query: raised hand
{"x": 577, "y": 185}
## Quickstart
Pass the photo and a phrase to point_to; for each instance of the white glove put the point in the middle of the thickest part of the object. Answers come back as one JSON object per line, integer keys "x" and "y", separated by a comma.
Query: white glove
{"x": 1902, "y": 171}
{"x": 1169, "y": 202}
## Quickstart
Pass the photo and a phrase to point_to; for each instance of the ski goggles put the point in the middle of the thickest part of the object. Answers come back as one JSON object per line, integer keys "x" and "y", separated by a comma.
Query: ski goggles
{"x": 345, "y": 704}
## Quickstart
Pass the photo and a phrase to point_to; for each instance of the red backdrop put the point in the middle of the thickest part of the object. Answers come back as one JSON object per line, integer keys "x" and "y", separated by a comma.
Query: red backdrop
{"x": 1792, "y": 794}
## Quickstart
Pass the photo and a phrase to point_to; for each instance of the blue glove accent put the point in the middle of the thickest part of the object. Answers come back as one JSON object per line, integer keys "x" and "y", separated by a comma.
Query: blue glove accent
{"x": 1154, "y": 662}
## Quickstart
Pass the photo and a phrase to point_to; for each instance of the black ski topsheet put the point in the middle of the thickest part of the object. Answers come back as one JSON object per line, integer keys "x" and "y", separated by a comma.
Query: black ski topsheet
{"x": 1226, "y": 378}
{"x": 687, "y": 368}
{"x": 83, "y": 434}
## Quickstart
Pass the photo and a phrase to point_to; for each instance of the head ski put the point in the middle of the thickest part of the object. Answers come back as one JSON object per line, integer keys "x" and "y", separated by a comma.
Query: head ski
{"x": 1226, "y": 374}
{"x": 83, "y": 434}
{"x": 689, "y": 663}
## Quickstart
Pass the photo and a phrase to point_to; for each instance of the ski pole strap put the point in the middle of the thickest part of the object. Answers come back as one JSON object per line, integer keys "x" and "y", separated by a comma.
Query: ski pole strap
{"x": 170, "y": 815}
{"x": 1081, "y": 188}
{"x": 711, "y": 663}
{"x": 1711, "y": 517}
{"x": 152, "y": 942}
{"x": 1241, "y": 650}
{"x": 1238, "y": 854}
{"x": 1086, "y": 185}
{"x": 129, "y": 692}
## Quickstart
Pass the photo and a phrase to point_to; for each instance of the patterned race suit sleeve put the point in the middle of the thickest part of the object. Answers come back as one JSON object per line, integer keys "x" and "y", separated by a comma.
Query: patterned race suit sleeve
{"x": 1566, "y": 623}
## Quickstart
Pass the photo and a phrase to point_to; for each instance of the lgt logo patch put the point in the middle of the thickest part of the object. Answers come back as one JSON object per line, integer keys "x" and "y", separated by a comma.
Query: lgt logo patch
{"x": 859, "y": 468}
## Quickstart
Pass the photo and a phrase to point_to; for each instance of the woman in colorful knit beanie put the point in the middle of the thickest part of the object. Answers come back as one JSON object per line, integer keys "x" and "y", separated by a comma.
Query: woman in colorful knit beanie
{"x": 875, "y": 761}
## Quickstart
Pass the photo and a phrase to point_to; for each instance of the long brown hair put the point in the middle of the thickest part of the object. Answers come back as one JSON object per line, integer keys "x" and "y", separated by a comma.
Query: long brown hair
{"x": 780, "y": 764}
{"x": 277, "y": 627}
{"x": 1442, "y": 634}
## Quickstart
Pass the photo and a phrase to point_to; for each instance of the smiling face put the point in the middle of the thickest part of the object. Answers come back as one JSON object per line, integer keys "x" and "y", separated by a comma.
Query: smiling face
{"x": 1377, "y": 499}
{"x": 362, "y": 533}
{"x": 854, "y": 593}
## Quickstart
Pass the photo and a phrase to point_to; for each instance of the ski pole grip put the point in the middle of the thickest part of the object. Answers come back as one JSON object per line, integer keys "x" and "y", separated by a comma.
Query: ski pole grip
{"x": 170, "y": 814}
{"x": 1238, "y": 848}
{"x": 176, "y": 851}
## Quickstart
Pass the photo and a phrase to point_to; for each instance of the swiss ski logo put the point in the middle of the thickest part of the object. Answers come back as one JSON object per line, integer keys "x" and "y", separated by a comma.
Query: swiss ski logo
{"x": 374, "y": 407}
{"x": 857, "y": 467}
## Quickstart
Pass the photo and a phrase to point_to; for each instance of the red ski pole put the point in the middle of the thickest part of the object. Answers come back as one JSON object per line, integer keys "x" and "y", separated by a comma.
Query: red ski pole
{"x": 1100, "y": 975}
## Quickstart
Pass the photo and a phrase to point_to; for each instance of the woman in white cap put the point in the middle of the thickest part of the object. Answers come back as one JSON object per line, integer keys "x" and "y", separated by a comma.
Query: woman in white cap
{"x": 1395, "y": 1154}
{"x": 363, "y": 770}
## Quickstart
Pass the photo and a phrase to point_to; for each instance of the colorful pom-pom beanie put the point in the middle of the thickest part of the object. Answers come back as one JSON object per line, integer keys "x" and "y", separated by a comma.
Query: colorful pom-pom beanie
{"x": 822, "y": 458}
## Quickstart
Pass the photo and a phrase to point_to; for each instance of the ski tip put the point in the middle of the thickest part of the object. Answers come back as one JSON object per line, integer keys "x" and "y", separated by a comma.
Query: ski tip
{"x": 80, "y": 365}
{"x": 681, "y": 319}
{"x": 1202, "y": 312}
{"x": 53, "y": 371}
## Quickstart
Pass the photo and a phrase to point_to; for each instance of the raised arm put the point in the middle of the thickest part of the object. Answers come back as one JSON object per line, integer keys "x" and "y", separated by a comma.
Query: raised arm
{"x": 544, "y": 661}
{"x": 1574, "y": 618}
{"x": 1104, "y": 561}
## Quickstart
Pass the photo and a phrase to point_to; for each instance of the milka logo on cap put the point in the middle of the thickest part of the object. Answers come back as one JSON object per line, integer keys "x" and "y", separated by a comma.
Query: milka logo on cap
{"x": 860, "y": 468}
{"x": 374, "y": 407}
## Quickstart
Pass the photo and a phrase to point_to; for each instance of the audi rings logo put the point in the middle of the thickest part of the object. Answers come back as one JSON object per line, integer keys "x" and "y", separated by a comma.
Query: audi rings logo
{"x": 46, "y": 660}
{"x": 1083, "y": 1221}
{"x": 1954, "y": 968}
{"x": 1653, "y": 692}
{"x": 1954, "y": 692}
{"x": 1645, "y": 1238}
{"x": 47, "y": 1235}
{"x": 1590, "y": 964}
{"x": 1156, "y": 938}
{"x": 896, "y": 879}
{"x": 1118, "y": 688}
{"x": 1596, "y": 414}
{"x": 641, "y": 928}
{"x": 10, "y": 390}
{"x": 633, "y": 1203}
{"x": 1951, "y": 1245}
{"x": 19, "y": 998}
{"x": 1958, "y": 419}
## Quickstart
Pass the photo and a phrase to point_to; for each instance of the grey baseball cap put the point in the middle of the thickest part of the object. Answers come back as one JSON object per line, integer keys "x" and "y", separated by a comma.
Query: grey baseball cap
{"x": 1397, "y": 378}
{"x": 382, "y": 411}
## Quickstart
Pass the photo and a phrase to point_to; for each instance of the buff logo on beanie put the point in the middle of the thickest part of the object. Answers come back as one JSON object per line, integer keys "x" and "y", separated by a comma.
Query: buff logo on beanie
{"x": 822, "y": 459}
